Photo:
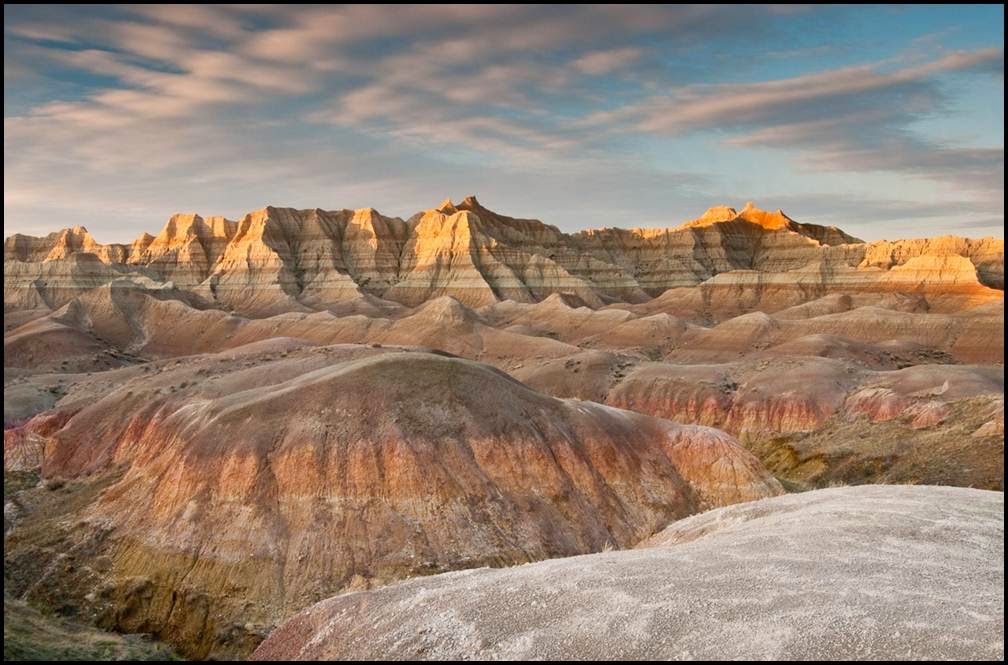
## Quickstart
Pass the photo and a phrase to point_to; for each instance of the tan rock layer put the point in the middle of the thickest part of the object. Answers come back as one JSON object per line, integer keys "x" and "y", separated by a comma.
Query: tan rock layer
{"x": 281, "y": 259}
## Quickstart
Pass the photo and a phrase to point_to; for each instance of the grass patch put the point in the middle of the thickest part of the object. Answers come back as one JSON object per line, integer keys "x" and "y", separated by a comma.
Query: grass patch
{"x": 16, "y": 481}
{"x": 31, "y": 635}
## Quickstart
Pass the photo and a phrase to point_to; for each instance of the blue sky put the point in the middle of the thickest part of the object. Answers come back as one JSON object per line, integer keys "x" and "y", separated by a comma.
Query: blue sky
{"x": 887, "y": 121}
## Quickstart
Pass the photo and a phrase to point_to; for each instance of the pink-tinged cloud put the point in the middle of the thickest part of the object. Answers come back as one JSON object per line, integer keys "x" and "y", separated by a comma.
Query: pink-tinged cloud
{"x": 605, "y": 62}
{"x": 597, "y": 102}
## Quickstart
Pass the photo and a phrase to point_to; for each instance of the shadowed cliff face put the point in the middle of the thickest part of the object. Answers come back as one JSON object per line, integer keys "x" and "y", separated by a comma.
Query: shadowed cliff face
{"x": 250, "y": 488}
{"x": 280, "y": 259}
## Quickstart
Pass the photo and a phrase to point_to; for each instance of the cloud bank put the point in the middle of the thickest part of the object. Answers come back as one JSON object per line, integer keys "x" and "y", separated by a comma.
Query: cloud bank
{"x": 583, "y": 116}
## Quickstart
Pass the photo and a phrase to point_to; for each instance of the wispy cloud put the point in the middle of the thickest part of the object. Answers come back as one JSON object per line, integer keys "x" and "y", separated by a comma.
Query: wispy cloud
{"x": 605, "y": 62}
{"x": 147, "y": 104}
{"x": 850, "y": 119}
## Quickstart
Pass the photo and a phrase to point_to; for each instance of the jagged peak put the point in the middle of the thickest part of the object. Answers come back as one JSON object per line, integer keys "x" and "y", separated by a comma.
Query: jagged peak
{"x": 473, "y": 205}
{"x": 139, "y": 245}
{"x": 469, "y": 207}
{"x": 143, "y": 237}
{"x": 68, "y": 241}
{"x": 750, "y": 213}
{"x": 462, "y": 220}
{"x": 184, "y": 217}
{"x": 371, "y": 215}
{"x": 264, "y": 212}
{"x": 520, "y": 224}
{"x": 719, "y": 213}
{"x": 189, "y": 225}
{"x": 768, "y": 220}
{"x": 179, "y": 224}
{"x": 260, "y": 216}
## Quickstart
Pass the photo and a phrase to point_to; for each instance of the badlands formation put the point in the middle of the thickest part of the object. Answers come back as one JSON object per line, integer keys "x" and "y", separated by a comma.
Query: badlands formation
{"x": 209, "y": 430}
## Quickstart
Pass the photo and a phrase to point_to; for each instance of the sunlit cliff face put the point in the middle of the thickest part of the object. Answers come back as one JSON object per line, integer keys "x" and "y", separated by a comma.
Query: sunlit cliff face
{"x": 281, "y": 259}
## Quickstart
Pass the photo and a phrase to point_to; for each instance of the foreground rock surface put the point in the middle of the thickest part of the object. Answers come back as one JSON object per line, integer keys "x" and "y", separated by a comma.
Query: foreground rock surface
{"x": 871, "y": 572}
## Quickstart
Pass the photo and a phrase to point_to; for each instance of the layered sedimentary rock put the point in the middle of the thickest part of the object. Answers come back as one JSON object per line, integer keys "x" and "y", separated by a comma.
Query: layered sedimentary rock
{"x": 50, "y": 284}
{"x": 814, "y": 421}
{"x": 885, "y": 573}
{"x": 781, "y": 382}
{"x": 271, "y": 261}
{"x": 185, "y": 249}
{"x": 123, "y": 317}
{"x": 60, "y": 245}
{"x": 987, "y": 254}
{"x": 480, "y": 257}
{"x": 281, "y": 259}
{"x": 721, "y": 240}
{"x": 259, "y": 480}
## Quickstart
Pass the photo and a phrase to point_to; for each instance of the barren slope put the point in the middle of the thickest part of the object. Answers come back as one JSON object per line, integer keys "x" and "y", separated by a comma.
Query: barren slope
{"x": 814, "y": 421}
{"x": 867, "y": 572}
{"x": 242, "y": 486}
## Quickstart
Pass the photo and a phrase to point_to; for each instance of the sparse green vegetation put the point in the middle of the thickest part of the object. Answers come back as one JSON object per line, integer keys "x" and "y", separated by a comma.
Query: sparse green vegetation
{"x": 15, "y": 481}
{"x": 31, "y": 635}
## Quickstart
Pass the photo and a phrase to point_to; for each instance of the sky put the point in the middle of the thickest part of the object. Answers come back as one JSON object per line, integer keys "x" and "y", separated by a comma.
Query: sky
{"x": 887, "y": 121}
